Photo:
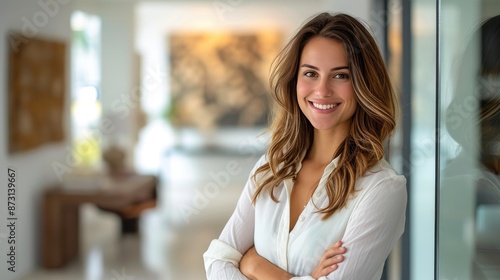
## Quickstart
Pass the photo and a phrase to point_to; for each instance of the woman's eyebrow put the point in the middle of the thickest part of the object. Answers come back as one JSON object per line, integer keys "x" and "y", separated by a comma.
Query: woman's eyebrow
{"x": 316, "y": 68}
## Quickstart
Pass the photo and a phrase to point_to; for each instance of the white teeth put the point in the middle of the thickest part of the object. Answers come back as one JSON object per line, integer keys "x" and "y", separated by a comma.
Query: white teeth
{"x": 324, "y": 106}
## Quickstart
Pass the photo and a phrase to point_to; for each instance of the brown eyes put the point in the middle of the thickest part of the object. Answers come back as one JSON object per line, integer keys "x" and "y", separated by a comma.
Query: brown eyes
{"x": 341, "y": 76}
{"x": 337, "y": 76}
{"x": 310, "y": 74}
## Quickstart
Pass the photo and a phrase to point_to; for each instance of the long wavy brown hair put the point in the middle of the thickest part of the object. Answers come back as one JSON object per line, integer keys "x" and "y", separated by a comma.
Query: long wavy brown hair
{"x": 292, "y": 133}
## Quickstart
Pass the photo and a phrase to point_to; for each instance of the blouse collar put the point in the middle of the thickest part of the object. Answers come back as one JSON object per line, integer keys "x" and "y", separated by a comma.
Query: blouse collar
{"x": 328, "y": 169}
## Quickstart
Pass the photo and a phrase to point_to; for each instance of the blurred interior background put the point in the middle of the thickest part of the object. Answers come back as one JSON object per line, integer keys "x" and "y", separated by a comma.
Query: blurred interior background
{"x": 130, "y": 127}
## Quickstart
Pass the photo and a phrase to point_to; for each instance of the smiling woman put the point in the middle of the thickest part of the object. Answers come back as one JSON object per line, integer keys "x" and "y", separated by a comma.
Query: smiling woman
{"x": 324, "y": 89}
{"x": 322, "y": 203}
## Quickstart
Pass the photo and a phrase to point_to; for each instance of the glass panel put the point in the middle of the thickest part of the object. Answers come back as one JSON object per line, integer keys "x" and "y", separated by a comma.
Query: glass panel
{"x": 423, "y": 139}
{"x": 469, "y": 188}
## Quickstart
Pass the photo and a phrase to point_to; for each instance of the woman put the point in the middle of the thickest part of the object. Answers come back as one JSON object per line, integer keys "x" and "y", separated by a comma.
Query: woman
{"x": 323, "y": 178}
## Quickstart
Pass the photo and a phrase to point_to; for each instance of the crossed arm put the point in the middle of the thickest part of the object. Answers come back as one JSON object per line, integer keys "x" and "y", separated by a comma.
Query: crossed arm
{"x": 255, "y": 267}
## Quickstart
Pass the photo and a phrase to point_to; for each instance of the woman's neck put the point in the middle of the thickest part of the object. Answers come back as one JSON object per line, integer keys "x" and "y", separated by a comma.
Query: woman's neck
{"x": 324, "y": 146}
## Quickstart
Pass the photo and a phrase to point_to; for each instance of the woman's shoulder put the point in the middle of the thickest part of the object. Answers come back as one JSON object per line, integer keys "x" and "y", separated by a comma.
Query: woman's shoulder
{"x": 382, "y": 174}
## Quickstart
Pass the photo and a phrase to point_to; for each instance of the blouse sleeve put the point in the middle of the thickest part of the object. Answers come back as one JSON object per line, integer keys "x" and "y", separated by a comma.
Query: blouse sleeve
{"x": 372, "y": 231}
{"x": 224, "y": 254}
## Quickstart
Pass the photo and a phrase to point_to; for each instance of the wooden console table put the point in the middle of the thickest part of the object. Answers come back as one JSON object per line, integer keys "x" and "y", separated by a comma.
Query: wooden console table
{"x": 60, "y": 240}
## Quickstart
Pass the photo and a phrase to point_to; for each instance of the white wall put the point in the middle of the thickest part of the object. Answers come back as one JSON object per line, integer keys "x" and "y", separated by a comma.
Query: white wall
{"x": 33, "y": 167}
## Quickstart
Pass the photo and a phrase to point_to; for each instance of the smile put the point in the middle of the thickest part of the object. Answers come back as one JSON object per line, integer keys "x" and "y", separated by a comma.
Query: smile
{"x": 324, "y": 106}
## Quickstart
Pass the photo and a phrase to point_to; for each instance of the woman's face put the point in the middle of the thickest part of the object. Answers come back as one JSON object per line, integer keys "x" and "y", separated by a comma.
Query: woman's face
{"x": 324, "y": 86}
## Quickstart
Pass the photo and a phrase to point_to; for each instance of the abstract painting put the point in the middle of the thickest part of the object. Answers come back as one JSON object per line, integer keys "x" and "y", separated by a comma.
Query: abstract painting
{"x": 220, "y": 79}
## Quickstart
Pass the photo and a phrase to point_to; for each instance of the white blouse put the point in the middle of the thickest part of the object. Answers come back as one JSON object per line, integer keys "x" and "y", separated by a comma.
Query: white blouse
{"x": 369, "y": 226}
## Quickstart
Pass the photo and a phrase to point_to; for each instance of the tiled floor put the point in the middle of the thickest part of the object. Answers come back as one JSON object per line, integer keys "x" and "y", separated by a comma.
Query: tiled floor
{"x": 163, "y": 250}
{"x": 104, "y": 254}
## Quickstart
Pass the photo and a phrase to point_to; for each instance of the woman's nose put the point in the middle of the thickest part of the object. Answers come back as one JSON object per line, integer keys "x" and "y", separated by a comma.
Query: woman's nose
{"x": 323, "y": 88}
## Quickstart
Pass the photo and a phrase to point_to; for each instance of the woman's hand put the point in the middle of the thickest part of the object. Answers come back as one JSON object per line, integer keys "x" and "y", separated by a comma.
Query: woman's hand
{"x": 328, "y": 262}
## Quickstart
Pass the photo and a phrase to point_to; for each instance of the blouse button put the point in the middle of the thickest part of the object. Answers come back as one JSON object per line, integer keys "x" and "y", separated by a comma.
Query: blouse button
{"x": 302, "y": 218}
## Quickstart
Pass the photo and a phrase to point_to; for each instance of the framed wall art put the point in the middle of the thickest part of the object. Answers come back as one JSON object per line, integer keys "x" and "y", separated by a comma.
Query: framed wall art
{"x": 37, "y": 85}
